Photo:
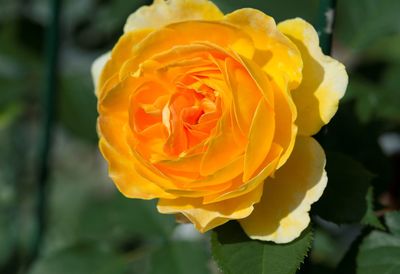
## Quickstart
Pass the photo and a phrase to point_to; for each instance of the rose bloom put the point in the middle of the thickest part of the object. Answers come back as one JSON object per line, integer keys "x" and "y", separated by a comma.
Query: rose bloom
{"x": 213, "y": 115}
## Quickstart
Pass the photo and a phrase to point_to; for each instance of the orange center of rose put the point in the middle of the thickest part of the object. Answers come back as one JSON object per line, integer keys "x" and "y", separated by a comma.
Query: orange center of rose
{"x": 176, "y": 118}
{"x": 189, "y": 117}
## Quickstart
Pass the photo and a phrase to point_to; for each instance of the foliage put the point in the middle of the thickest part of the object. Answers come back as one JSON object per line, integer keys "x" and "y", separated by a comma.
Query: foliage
{"x": 349, "y": 187}
{"x": 236, "y": 253}
{"x": 380, "y": 251}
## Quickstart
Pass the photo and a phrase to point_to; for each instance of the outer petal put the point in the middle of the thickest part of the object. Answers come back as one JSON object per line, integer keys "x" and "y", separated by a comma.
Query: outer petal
{"x": 206, "y": 217}
{"x": 121, "y": 52}
{"x": 97, "y": 68}
{"x": 324, "y": 79}
{"x": 162, "y": 13}
{"x": 127, "y": 173}
{"x": 126, "y": 178}
{"x": 282, "y": 213}
{"x": 285, "y": 110}
{"x": 275, "y": 53}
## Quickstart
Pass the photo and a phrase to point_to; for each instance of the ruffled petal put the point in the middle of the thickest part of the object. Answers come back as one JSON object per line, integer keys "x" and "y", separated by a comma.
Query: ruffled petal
{"x": 285, "y": 128}
{"x": 245, "y": 93}
{"x": 128, "y": 181}
{"x": 239, "y": 187}
{"x": 274, "y": 53}
{"x": 132, "y": 175}
{"x": 211, "y": 33}
{"x": 107, "y": 68}
{"x": 206, "y": 217}
{"x": 282, "y": 214}
{"x": 227, "y": 144}
{"x": 260, "y": 139}
{"x": 162, "y": 13}
{"x": 324, "y": 79}
{"x": 284, "y": 108}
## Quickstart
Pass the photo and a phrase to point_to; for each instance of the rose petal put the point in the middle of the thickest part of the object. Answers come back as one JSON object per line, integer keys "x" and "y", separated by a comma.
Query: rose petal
{"x": 97, "y": 68}
{"x": 282, "y": 103}
{"x": 324, "y": 79}
{"x": 285, "y": 129}
{"x": 276, "y": 54}
{"x": 127, "y": 179}
{"x": 206, "y": 217}
{"x": 162, "y": 13}
{"x": 245, "y": 94}
{"x": 282, "y": 214}
{"x": 227, "y": 144}
{"x": 214, "y": 34}
{"x": 239, "y": 187}
{"x": 260, "y": 139}
{"x": 118, "y": 143}
{"x": 120, "y": 53}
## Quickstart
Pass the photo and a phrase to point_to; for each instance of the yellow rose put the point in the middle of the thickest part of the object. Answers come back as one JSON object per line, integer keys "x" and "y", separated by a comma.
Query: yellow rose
{"x": 212, "y": 115}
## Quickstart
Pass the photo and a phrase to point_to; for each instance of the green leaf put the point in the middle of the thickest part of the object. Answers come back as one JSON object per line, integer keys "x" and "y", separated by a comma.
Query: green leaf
{"x": 370, "y": 217}
{"x": 346, "y": 134}
{"x": 362, "y": 22}
{"x": 80, "y": 260}
{"x": 379, "y": 253}
{"x": 392, "y": 220}
{"x": 236, "y": 253}
{"x": 348, "y": 196}
{"x": 180, "y": 257}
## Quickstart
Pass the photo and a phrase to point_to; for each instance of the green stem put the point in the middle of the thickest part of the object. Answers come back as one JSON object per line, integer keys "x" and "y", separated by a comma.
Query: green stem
{"x": 325, "y": 24}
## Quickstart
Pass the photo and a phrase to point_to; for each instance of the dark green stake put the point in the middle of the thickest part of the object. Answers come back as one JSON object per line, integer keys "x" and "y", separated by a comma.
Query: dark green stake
{"x": 48, "y": 107}
{"x": 325, "y": 24}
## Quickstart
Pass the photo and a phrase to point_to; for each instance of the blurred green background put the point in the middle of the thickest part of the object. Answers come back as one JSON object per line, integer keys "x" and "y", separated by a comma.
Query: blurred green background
{"x": 91, "y": 227}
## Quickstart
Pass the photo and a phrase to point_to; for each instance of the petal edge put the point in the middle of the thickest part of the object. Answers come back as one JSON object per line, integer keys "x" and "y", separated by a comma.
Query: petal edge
{"x": 324, "y": 78}
{"x": 282, "y": 214}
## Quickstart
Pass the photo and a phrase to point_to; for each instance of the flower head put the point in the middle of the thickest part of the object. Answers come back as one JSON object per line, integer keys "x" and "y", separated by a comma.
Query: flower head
{"x": 212, "y": 114}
